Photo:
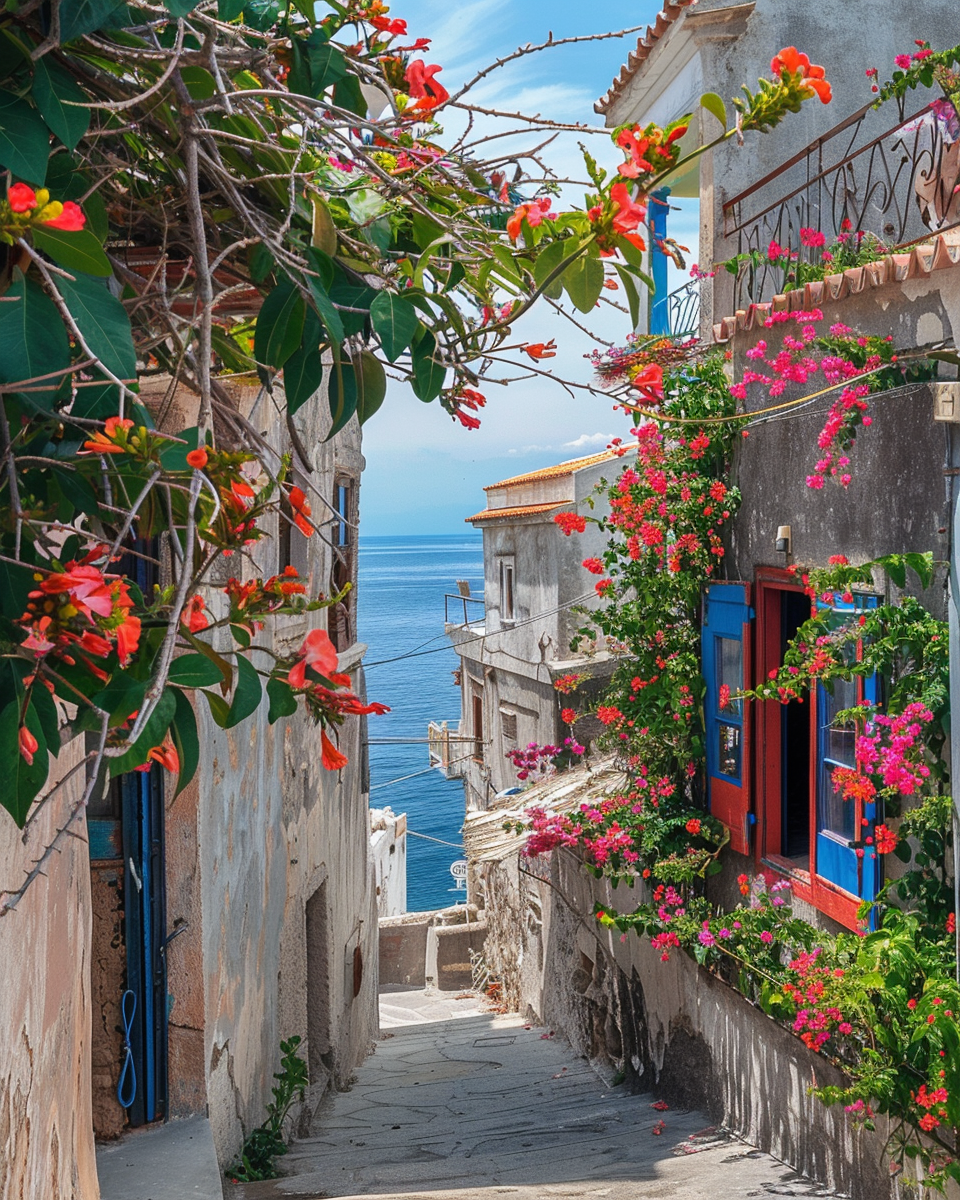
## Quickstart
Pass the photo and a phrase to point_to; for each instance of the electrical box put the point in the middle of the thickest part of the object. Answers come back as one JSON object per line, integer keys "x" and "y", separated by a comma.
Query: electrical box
{"x": 946, "y": 401}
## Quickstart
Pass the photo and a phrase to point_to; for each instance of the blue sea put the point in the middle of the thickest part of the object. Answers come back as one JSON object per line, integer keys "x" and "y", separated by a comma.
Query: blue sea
{"x": 400, "y": 589}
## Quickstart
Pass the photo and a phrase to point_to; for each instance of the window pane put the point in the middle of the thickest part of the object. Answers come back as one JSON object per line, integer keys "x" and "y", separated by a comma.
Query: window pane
{"x": 729, "y": 749}
{"x": 834, "y": 814}
{"x": 729, "y": 675}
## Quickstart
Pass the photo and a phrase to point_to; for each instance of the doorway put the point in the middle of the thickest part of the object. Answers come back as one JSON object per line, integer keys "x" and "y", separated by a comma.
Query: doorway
{"x": 794, "y": 746}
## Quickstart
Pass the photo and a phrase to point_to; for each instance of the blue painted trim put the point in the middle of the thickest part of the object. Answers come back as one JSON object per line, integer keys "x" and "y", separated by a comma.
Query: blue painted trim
{"x": 659, "y": 321}
{"x": 725, "y": 612}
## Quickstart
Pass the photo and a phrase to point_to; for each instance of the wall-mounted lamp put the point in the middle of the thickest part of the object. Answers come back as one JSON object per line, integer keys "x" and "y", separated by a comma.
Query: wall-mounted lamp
{"x": 783, "y": 539}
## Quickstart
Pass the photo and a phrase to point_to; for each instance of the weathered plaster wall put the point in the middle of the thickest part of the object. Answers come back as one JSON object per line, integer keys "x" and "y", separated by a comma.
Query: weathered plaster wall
{"x": 286, "y": 885}
{"x": 46, "y": 1132}
{"x": 900, "y": 497}
{"x": 106, "y": 982}
{"x": 673, "y": 1028}
{"x": 388, "y": 849}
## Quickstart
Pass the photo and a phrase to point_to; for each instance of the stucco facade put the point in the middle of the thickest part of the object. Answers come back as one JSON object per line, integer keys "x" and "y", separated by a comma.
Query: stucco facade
{"x": 533, "y": 580}
{"x": 265, "y": 911}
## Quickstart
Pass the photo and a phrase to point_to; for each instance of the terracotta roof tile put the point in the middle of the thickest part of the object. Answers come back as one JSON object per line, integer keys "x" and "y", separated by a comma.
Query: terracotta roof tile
{"x": 665, "y": 18}
{"x": 518, "y": 510}
{"x": 557, "y": 472}
{"x": 917, "y": 263}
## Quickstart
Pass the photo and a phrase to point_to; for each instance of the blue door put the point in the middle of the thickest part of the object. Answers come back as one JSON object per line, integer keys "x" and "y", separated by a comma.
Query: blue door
{"x": 725, "y": 656}
{"x": 842, "y": 856}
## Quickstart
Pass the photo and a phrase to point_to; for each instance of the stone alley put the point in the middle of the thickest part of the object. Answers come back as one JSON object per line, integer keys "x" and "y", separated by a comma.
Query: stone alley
{"x": 462, "y": 1102}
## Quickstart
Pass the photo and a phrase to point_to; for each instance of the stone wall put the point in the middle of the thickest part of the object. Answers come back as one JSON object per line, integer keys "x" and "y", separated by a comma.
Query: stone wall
{"x": 46, "y": 1132}
{"x": 672, "y": 1028}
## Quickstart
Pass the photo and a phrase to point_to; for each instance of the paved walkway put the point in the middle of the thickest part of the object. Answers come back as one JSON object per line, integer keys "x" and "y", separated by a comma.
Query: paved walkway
{"x": 461, "y": 1104}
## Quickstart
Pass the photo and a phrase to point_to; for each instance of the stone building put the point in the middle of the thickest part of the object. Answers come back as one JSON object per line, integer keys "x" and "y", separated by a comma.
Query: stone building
{"x": 510, "y": 658}
{"x": 238, "y": 913}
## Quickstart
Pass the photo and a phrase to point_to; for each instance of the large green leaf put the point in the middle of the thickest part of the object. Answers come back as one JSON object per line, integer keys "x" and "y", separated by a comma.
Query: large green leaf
{"x": 78, "y": 251}
{"x": 395, "y": 322}
{"x": 24, "y": 139}
{"x": 193, "y": 671}
{"x": 183, "y": 730}
{"x": 153, "y": 733}
{"x": 283, "y": 703}
{"x": 279, "y": 325}
{"x": 84, "y": 16}
{"x": 303, "y": 370}
{"x": 59, "y": 98}
{"x": 122, "y": 696}
{"x": 328, "y": 314}
{"x": 583, "y": 280}
{"x": 714, "y": 105}
{"x": 21, "y": 781}
{"x": 342, "y": 392}
{"x": 180, "y": 8}
{"x": 226, "y": 670}
{"x": 33, "y": 340}
{"x": 371, "y": 385}
{"x": 104, "y": 323}
{"x": 547, "y": 262}
{"x": 247, "y": 695}
{"x": 302, "y": 377}
{"x": 428, "y": 376}
{"x": 633, "y": 295}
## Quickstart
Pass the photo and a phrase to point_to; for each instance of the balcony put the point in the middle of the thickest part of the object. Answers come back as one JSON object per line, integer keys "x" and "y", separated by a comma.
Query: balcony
{"x": 460, "y": 612}
{"x": 899, "y": 185}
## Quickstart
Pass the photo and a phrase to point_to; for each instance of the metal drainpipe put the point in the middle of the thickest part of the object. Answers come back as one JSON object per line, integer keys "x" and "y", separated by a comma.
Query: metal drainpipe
{"x": 660, "y": 312}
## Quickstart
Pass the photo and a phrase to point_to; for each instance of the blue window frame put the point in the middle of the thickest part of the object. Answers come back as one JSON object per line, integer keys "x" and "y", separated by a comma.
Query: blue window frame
{"x": 842, "y": 857}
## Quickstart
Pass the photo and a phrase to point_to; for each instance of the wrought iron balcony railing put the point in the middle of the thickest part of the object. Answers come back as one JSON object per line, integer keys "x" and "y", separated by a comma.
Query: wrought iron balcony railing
{"x": 900, "y": 185}
{"x": 683, "y": 307}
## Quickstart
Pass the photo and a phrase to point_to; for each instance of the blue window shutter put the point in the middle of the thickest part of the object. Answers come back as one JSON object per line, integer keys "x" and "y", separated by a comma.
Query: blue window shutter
{"x": 725, "y": 644}
{"x": 840, "y": 829}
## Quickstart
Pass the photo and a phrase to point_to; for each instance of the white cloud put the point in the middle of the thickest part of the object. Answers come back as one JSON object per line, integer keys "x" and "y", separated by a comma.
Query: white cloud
{"x": 588, "y": 439}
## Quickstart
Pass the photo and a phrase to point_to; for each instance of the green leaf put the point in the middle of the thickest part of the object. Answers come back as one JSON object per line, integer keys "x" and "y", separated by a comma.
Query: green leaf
{"x": 24, "y": 139}
{"x": 183, "y": 730}
{"x": 78, "y": 251}
{"x": 246, "y": 697}
{"x": 219, "y": 708}
{"x": 428, "y": 376}
{"x": 302, "y": 377}
{"x": 323, "y": 231}
{"x": 327, "y": 66}
{"x": 261, "y": 262}
{"x": 33, "y": 340}
{"x": 279, "y": 325}
{"x": 58, "y": 95}
{"x": 283, "y": 703}
{"x": 85, "y": 16}
{"x": 198, "y": 81}
{"x": 193, "y": 671}
{"x": 123, "y": 695}
{"x": 153, "y": 733}
{"x": 507, "y": 262}
{"x": 922, "y": 567}
{"x": 229, "y": 10}
{"x": 715, "y": 106}
{"x": 225, "y": 669}
{"x": 547, "y": 262}
{"x": 349, "y": 95}
{"x": 343, "y": 391}
{"x": 180, "y": 8}
{"x": 21, "y": 782}
{"x": 241, "y": 635}
{"x": 371, "y": 385}
{"x": 896, "y": 567}
{"x": 328, "y": 314}
{"x": 583, "y": 280}
{"x": 395, "y": 322}
{"x": 632, "y": 294}
{"x": 104, "y": 323}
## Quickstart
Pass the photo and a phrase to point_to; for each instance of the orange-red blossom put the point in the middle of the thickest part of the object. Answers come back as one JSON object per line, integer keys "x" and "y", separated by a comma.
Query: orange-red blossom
{"x": 112, "y": 440}
{"x": 812, "y": 80}
{"x": 541, "y": 349}
{"x": 301, "y": 511}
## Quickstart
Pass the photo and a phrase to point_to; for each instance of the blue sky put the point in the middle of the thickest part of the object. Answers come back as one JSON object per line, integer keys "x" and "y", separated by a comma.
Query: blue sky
{"x": 425, "y": 473}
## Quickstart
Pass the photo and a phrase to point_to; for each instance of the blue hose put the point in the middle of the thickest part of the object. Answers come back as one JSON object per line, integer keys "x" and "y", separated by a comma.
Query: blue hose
{"x": 127, "y": 1083}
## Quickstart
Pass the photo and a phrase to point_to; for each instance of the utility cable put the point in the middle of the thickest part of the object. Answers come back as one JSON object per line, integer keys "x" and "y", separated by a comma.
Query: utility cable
{"x": 414, "y": 774}
{"x": 440, "y": 842}
{"x": 486, "y": 637}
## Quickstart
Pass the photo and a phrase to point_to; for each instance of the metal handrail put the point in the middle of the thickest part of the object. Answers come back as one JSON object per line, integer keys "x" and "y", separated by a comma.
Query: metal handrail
{"x": 462, "y": 601}
{"x": 683, "y": 308}
{"x": 872, "y": 186}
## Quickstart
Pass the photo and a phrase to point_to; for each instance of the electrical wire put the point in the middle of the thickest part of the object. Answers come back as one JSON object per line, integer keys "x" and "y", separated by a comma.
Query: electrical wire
{"x": 506, "y": 629}
{"x": 414, "y": 774}
{"x": 427, "y": 838}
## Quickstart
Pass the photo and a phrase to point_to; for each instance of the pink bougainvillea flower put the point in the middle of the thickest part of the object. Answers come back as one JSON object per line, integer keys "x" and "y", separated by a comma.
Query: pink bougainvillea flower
{"x": 649, "y": 383}
{"x": 331, "y": 758}
{"x": 21, "y": 198}
{"x": 70, "y": 218}
{"x": 317, "y": 652}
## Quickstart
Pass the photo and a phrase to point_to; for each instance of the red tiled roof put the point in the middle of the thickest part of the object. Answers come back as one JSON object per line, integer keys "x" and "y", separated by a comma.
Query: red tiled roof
{"x": 518, "y": 510}
{"x": 557, "y": 472}
{"x": 665, "y": 18}
{"x": 942, "y": 252}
